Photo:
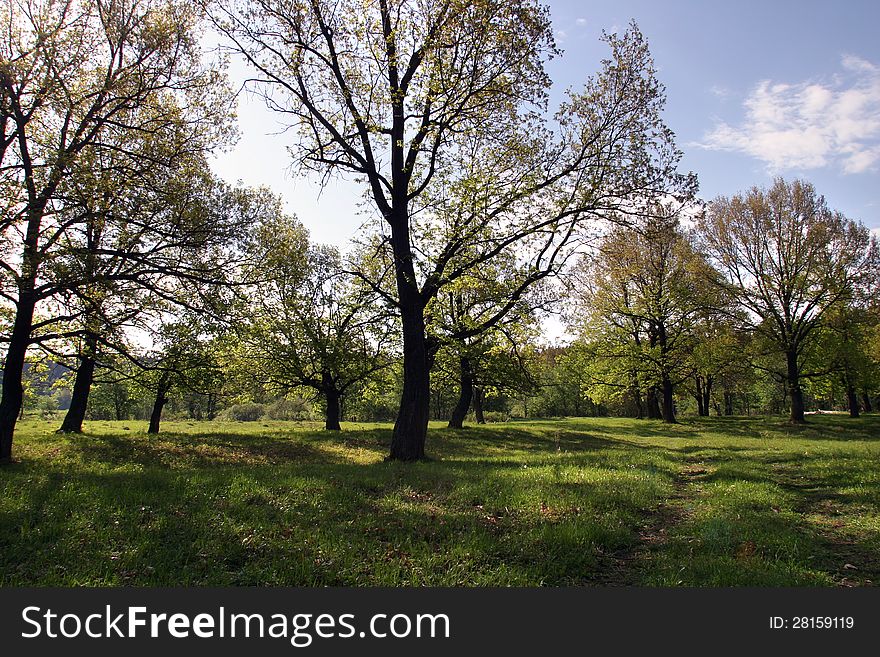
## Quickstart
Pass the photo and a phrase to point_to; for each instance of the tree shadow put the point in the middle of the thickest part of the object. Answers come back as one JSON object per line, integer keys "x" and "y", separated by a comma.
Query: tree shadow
{"x": 198, "y": 450}
{"x": 319, "y": 522}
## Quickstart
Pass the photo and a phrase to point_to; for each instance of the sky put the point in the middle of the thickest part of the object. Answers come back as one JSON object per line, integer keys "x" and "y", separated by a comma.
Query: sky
{"x": 755, "y": 90}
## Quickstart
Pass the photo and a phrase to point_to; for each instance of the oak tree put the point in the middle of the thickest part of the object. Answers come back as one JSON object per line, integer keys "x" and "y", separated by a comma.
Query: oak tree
{"x": 788, "y": 260}
{"x": 643, "y": 296}
{"x": 442, "y": 105}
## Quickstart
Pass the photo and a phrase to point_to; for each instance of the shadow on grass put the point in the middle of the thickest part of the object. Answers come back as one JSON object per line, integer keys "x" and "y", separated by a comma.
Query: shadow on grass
{"x": 744, "y": 543}
{"x": 853, "y": 481}
{"x": 475, "y": 441}
{"x": 820, "y": 427}
{"x": 518, "y": 504}
{"x": 313, "y": 524}
{"x": 194, "y": 450}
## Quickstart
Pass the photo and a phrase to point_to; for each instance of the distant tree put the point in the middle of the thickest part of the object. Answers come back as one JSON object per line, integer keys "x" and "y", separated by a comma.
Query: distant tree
{"x": 871, "y": 389}
{"x": 443, "y": 103}
{"x": 496, "y": 364}
{"x": 643, "y": 296}
{"x": 114, "y": 394}
{"x": 715, "y": 359}
{"x": 376, "y": 399}
{"x": 486, "y": 326}
{"x": 842, "y": 349}
{"x": 562, "y": 385}
{"x": 788, "y": 260}
{"x": 183, "y": 358}
{"x": 310, "y": 325}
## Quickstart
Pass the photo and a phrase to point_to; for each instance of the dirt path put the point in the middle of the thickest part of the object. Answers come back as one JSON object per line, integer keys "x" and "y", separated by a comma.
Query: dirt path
{"x": 627, "y": 567}
{"x": 846, "y": 556}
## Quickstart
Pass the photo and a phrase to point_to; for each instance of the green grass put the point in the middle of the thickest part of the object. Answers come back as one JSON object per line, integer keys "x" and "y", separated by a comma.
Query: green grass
{"x": 714, "y": 502}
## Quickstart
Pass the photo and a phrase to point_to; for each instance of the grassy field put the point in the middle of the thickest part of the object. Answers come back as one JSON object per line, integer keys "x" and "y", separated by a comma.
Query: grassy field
{"x": 714, "y": 502}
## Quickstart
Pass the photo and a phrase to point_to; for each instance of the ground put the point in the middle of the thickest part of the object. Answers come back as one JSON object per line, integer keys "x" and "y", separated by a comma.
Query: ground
{"x": 598, "y": 501}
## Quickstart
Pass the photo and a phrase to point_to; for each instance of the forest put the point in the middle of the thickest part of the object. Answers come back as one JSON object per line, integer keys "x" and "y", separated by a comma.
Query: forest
{"x": 522, "y": 264}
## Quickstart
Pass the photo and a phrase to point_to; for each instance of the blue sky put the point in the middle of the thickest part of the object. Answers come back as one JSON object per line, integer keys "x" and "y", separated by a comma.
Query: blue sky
{"x": 754, "y": 90}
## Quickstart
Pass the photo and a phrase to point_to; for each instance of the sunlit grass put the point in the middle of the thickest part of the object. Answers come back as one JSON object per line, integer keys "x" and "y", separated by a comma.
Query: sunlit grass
{"x": 567, "y": 502}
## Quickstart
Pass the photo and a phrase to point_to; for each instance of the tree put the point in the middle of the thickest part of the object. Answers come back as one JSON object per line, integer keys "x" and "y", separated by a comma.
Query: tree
{"x": 562, "y": 379}
{"x": 644, "y": 294}
{"x": 311, "y": 325}
{"x": 70, "y": 71}
{"x": 113, "y": 394}
{"x": 787, "y": 260}
{"x": 184, "y": 358}
{"x": 141, "y": 241}
{"x": 871, "y": 389}
{"x": 485, "y": 323}
{"x": 494, "y": 364}
{"x": 843, "y": 350}
{"x": 441, "y": 104}
{"x": 715, "y": 361}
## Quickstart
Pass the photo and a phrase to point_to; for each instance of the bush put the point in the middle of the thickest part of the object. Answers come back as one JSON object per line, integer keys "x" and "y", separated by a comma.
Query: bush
{"x": 496, "y": 416}
{"x": 246, "y": 412}
{"x": 287, "y": 408}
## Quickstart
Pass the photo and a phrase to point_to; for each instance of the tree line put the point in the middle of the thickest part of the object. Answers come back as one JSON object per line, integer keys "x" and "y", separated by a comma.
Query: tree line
{"x": 768, "y": 285}
{"x": 126, "y": 260}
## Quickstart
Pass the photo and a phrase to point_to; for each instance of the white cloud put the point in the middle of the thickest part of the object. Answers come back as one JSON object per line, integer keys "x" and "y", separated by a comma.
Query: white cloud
{"x": 580, "y": 22}
{"x": 809, "y": 125}
{"x": 854, "y": 63}
{"x": 719, "y": 91}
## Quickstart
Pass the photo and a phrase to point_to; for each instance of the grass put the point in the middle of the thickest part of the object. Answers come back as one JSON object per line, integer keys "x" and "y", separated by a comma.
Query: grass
{"x": 710, "y": 502}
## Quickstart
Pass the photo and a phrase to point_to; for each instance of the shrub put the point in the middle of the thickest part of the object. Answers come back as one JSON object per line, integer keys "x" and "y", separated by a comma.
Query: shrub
{"x": 289, "y": 408}
{"x": 246, "y": 412}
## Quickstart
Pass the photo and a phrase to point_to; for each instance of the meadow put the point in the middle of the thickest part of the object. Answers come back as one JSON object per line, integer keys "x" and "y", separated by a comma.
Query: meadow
{"x": 573, "y": 502}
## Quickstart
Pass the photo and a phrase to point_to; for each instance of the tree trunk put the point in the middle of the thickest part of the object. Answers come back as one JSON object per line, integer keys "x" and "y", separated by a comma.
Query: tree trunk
{"x": 637, "y": 395}
{"x": 698, "y": 394}
{"x": 19, "y": 340}
{"x": 194, "y": 408}
{"x": 852, "y": 400}
{"x": 212, "y": 405}
{"x": 668, "y": 401}
{"x": 119, "y": 402}
{"x": 13, "y": 370}
{"x": 728, "y": 403}
{"x": 82, "y": 385}
{"x": 866, "y": 402}
{"x": 158, "y": 405}
{"x": 707, "y": 395}
{"x": 334, "y": 411}
{"x": 478, "y": 406}
{"x": 653, "y": 404}
{"x": 411, "y": 426}
{"x": 794, "y": 389}
{"x": 466, "y": 393}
